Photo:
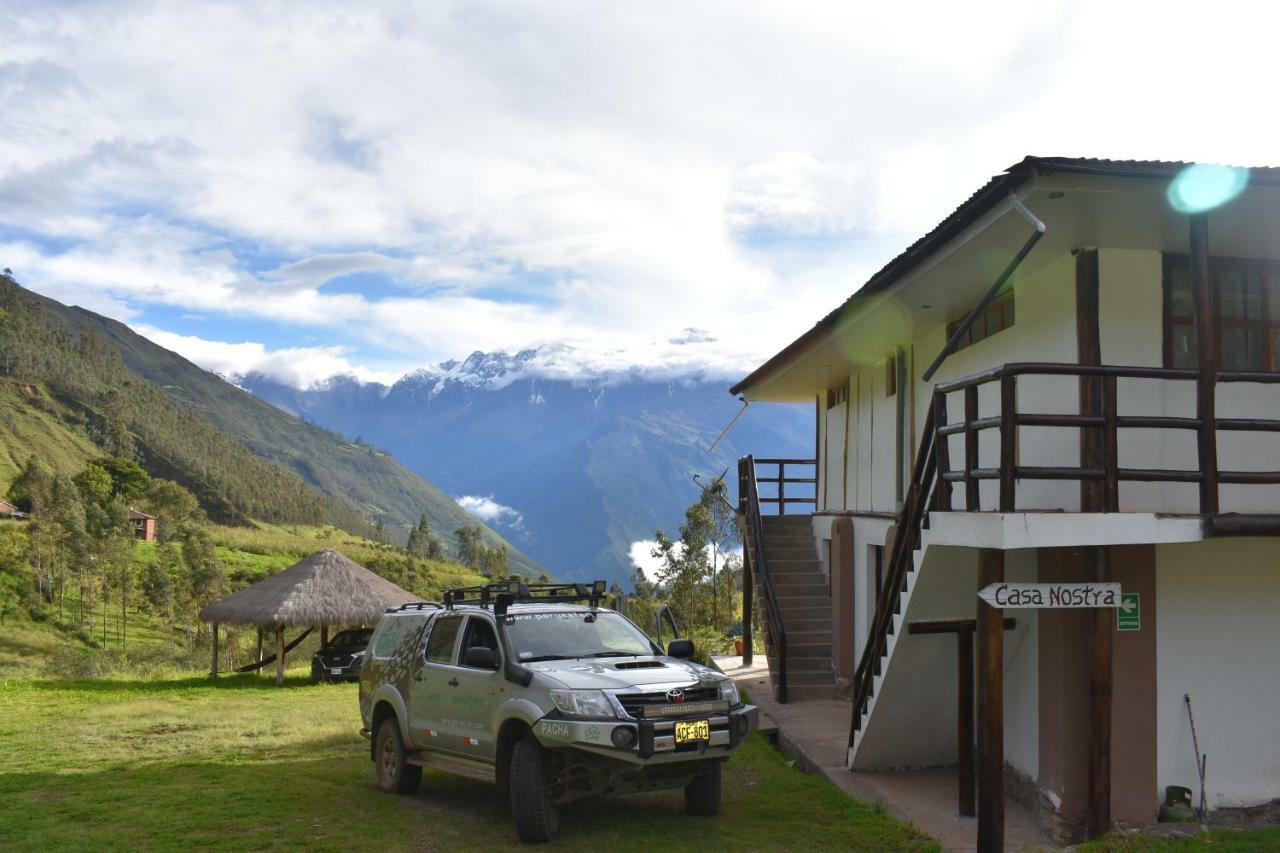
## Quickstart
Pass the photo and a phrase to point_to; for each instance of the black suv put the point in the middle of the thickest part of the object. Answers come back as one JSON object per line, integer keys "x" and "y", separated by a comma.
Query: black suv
{"x": 342, "y": 658}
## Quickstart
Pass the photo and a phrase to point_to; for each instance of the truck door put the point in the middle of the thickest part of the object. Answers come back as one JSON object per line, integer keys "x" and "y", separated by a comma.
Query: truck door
{"x": 474, "y": 691}
{"x": 429, "y": 698}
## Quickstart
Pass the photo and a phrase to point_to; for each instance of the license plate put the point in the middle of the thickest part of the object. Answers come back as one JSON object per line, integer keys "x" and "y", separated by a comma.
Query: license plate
{"x": 693, "y": 731}
{"x": 335, "y": 672}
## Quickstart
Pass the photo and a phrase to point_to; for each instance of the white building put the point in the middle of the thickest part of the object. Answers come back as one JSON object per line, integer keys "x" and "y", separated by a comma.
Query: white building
{"x": 1105, "y": 472}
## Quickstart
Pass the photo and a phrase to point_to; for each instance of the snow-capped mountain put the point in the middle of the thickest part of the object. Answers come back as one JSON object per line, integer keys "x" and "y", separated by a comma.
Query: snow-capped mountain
{"x": 573, "y": 460}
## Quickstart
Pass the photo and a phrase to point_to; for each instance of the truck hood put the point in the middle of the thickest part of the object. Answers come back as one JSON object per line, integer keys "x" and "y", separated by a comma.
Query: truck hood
{"x": 621, "y": 673}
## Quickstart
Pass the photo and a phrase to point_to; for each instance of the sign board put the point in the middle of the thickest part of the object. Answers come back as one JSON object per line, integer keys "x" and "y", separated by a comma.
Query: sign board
{"x": 1045, "y": 596}
{"x": 1129, "y": 613}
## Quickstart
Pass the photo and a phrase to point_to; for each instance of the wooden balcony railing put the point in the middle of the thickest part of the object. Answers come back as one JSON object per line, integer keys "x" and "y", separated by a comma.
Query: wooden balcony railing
{"x": 1104, "y": 467}
{"x": 757, "y": 568}
{"x": 780, "y": 482}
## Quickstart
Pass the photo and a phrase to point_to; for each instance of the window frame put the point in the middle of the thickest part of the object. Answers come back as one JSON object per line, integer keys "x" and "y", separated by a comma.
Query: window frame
{"x": 980, "y": 331}
{"x": 456, "y": 618}
{"x": 1219, "y": 266}
{"x": 460, "y": 654}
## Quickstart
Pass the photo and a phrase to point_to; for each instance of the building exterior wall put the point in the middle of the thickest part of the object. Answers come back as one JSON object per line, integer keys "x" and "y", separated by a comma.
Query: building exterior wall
{"x": 1218, "y": 637}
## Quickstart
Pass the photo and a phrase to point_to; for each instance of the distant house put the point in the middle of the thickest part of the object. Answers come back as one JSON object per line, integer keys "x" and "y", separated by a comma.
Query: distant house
{"x": 8, "y": 510}
{"x": 144, "y": 526}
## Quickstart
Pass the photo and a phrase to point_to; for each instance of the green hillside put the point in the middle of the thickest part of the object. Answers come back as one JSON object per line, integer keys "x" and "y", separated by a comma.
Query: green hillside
{"x": 73, "y": 384}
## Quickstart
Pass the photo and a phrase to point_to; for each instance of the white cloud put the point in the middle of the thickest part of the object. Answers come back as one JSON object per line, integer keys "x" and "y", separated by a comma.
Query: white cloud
{"x": 606, "y": 168}
{"x": 641, "y": 554}
{"x": 485, "y": 508}
{"x": 300, "y": 367}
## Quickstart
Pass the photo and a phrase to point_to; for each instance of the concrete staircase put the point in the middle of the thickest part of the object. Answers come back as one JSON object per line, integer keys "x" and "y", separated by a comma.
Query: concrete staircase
{"x": 805, "y": 603}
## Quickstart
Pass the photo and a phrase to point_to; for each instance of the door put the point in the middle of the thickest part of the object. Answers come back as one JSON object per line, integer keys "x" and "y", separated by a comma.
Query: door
{"x": 429, "y": 699}
{"x": 474, "y": 692}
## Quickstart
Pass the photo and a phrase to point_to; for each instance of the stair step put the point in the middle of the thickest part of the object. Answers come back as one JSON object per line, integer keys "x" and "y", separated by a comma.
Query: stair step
{"x": 812, "y": 625}
{"x": 809, "y": 677}
{"x": 809, "y": 692}
{"x": 805, "y": 651}
{"x": 806, "y": 616}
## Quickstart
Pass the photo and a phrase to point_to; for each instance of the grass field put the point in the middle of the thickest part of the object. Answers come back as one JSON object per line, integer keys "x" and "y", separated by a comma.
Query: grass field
{"x": 1218, "y": 841}
{"x": 182, "y": 764}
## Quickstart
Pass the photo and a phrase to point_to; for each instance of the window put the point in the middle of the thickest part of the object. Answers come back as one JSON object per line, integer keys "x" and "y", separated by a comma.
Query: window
{"x": 479, "y": 634}
{"x": 838, "y": 395}
{"x": 443, "y": 633}
{"x": 998, "y": 317}
{"x": 1247, "y": 309}
{"x": 393, "y": 630}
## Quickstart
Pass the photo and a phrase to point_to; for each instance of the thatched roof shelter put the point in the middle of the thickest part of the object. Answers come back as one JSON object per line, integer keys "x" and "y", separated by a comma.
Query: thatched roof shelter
{"x": 324, "y": 589}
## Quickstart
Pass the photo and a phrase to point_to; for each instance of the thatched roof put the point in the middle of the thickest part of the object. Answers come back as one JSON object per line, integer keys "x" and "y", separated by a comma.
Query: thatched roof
{"x": 323, "y": 589}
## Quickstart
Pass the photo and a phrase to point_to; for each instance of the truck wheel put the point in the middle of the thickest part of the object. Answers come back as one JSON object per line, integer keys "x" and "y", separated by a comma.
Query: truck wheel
{"x": 395, "y": 774}
{"x": 702, "y": 795}
{"x": 537, "y": 818}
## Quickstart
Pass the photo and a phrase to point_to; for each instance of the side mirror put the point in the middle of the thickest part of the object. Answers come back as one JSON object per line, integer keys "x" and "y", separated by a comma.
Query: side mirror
{"x": 479, "y": 657}
{"x": 682, "y": 649}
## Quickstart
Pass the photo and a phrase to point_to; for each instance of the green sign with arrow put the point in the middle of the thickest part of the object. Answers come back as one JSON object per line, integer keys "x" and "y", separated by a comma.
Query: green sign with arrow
{"x": 1129, "y": 613}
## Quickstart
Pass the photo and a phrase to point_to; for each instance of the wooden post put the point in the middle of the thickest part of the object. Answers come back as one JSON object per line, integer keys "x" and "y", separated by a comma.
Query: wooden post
{"x": 213, "y": 653}
{"x": 324, "y": 636}
{"x": 1207, "y": 384}
{"x": 971, "y": 492}
{"x": 1089, "y": 352}
{"x": 990, "y": 666}
{"x": 944, "y": 451}
{"x": 279, "y": 655}
{"x": 964, "y": 721}
{"x": 1101, "y": 636}
{"x": 1008, "y": 441}
{"x": 259, "y": 659}
{"x": 1110, "y": 445}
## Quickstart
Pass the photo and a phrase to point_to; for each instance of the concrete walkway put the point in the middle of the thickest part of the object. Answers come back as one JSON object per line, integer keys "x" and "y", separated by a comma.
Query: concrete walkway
{"x": 816, "y": 732}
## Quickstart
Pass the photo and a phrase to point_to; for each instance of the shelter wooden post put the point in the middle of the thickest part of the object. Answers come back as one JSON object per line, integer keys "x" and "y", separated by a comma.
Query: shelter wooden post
{"x": 259, "y": 658}
{"x": 213, "y": 652}
{"x": 279, "y": 655}
{"x": 990, "y": 643}
{"x": 324, "y": 636}
{"x": 747, "y": 639}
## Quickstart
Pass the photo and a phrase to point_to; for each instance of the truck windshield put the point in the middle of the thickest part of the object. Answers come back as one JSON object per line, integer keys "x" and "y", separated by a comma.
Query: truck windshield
{"x": 551, "y": 636}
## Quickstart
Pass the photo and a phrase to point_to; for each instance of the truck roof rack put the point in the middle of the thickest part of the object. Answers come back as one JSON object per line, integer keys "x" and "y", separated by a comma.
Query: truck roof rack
{"x": 502, "y": 595}
{"x": 416, "y": 605}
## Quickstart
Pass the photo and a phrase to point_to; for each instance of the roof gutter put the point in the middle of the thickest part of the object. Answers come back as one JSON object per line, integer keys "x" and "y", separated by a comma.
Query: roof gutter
{"x": 989, "y": 297}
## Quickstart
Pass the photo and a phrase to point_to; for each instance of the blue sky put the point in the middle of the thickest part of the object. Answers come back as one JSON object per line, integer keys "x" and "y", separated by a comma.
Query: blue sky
{"x": 367, "y": 188}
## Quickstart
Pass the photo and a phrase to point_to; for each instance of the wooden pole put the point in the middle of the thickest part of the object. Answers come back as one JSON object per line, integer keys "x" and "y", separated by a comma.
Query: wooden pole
{"x": 990, "y": 672}
{"x": 213, "y": 653}
{"x": 279, "y": 655}
{"x": 1098, "y": 567}
{"x": 1207, "y": 343}
{"x": 964, "y": 721}
{"x": 324, "y": 636}
{"x": 259, "y": 660}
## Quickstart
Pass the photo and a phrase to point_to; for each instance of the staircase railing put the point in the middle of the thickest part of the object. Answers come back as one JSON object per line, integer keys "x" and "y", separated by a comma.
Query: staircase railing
{"x": 774, "y": 632}
{"x": 915, "y": 508}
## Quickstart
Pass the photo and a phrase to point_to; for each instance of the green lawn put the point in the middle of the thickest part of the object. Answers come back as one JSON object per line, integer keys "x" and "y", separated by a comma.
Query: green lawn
{"x": 180, "y": 763}
{"x": 1219, "y": 841}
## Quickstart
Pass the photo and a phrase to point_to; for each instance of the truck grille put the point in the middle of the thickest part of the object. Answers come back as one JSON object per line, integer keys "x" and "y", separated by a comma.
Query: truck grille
{"x": 642, "y": 705}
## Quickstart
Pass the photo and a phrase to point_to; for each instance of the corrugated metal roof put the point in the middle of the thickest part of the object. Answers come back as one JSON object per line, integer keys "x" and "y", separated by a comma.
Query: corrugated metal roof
{"x": 975, "y": 206}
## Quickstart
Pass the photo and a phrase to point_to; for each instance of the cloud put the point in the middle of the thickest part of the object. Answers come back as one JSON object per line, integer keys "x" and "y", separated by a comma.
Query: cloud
{"x": 486, "y": 509}
{"x": 299, "y": 367}
{"x": 641, "y": 555}
{"x": 516, "y": 174}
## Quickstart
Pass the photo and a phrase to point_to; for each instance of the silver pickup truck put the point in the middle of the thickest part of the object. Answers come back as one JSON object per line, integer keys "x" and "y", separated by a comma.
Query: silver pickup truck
{"x": 540, "y": 690}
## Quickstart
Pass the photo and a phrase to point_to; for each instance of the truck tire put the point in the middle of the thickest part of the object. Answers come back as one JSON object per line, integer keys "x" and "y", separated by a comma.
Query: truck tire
{"x": 702, "y": 795}
{"x": 537, "y": 818}
{"x": 395, "y": 774}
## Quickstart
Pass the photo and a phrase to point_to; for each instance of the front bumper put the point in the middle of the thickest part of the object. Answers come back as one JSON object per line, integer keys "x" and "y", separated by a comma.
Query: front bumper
{"x": 350, "y": 670}
{"x": 652, "y": 740}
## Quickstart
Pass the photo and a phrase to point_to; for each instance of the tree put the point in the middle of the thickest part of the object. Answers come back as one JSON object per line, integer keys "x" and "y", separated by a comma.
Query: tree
{"x": 685, "y": 569}
{"x": 95, "y": 484}
{"x": 470, "y": 544}
{"x": 419, "y": 544}
{"x": 204, "y": 572}
{"x": 493, "y": 562}
{"x": 158, "y": 579}
{"x": 724, "y": 540}
{"x": 175, "y": 508}
{"x": 31, "y": 489}
{"x": 129, "y": 481}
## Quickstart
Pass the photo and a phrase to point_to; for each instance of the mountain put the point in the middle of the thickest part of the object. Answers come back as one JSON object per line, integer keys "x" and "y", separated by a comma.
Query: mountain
{"x": 586, "y": 463}
{"x": 73, "y": 382}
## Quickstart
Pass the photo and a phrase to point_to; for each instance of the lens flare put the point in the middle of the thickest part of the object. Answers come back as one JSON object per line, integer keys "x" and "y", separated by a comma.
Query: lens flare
{"x": 1204, "y": 186}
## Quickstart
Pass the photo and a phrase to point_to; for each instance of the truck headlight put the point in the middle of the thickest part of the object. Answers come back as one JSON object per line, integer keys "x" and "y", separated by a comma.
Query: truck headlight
{"x": 582, "y": 703}
{"x": 729, "y": 692}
